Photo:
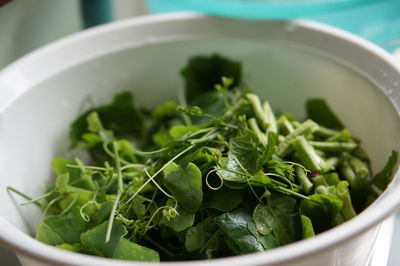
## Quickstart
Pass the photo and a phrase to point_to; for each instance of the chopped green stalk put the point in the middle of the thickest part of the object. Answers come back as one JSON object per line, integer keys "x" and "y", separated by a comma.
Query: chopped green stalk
{"x": 319, "y": 181}
{"x": 342, "y": 136}
{"x": 325, "y": 132}
{"x": 343, "y": 193}
{"x": 334, "y": 146}
{"x": 285, "y": 145}
{"x": 360, "y": 169}
{"x": 258, "y": 110}
{"x": 349, "y": 174}
{"x": 333, "y": 161}
{"x": 305, "y": 183}
{"x": 270, "y": 117}
{"x": 332, "y": 178}
{"x": 307, "y": 155}
{"x": 261, "y": 135}
{"x": 285, "y": 127}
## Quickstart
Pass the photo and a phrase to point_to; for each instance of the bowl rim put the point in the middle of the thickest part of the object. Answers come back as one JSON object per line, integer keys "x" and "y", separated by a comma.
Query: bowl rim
{"x": 25, "y": 245}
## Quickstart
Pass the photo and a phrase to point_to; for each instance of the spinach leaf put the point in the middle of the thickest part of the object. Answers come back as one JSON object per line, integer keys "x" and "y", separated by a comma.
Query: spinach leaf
{"x": 276, "y": 216}
{"x": 184, "y": 182}
{"x": 223, "y": 199}
{"x": 182, "y": 221}
{"x": 118, "y": 247}
{"x": 196, "y": 236}
{"x": 67, "y": 228}
{"x": 234, "y": 225}
{"x": 268, "y": 241}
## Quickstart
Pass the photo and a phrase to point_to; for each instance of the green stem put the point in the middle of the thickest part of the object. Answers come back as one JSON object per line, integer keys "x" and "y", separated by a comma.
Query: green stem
{"x": 158, "y": 172}
{"x": 334, "y": 146}
{"x": 19, "y": 193}
{"x": 285, "y": 146}
{"x": 119, "y": 192}
{"x": 305, "y": 183}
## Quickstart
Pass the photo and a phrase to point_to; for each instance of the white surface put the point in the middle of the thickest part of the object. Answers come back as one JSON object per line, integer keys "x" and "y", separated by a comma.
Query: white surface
{"x": 44, "y": 91}
{"x": 28, "y": 24}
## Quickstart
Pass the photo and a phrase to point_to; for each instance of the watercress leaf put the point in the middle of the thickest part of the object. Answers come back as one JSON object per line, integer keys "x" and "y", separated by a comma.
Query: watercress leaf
{"x": 68, "y": 227}
{"x": 279, "y": 210}
{"x": 234, "y": 225}
{"x": 307, "y": 227}
{"x": 319, "y": 111}
{"x": 184, "y": 182}
{"x": 268, "y": 241}
{"x": 202, "y": 73}
{"x": 182, "y": 221}
{"x": 383, "y": 178}
{"x": 223, "y": 199}
{"x": 321, "y": 209}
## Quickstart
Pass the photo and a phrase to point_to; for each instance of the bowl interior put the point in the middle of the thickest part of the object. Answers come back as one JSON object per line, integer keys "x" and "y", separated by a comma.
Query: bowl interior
{"x": 34, "y": 128}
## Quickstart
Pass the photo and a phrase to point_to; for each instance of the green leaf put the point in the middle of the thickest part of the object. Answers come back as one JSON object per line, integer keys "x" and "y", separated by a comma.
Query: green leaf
{"x": 234, "y": 225}
{"x": 121, "y": 116}
{"x": 118, "y": 247}
{"x": 46, "y": 235}
{"x": 223, "y": 199}
{"x": 268, "y": 241}
{"x": 59, "y": 165}
{"x": 182, "y": 221}
{"x": 78, "y": 248}
{"x": 246, "y": 154}
{"x": 184, "y": 182}
{"x": 202, "y": 73}
{"x": 181, "y": 130}
{"x": 196, "y": 236}
{"x": 127, "y": 250}
{"x": 322, "y": 210}
{"x": 383, "y": 178}
{"x": 68, "y": 227}
{"x": 260, "y": 220}
{"x": 277, "y": 216}
{"x": 307, "y": 227}
{"x": 165, "y": 110}
{"x": 319, "y": 111}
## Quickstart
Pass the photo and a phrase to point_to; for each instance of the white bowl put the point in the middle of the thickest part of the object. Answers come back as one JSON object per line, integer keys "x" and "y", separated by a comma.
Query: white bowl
{"x": 286, "y": 62}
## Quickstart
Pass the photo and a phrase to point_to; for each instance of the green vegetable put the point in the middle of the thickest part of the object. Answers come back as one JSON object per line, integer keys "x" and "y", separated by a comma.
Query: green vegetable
{"x": 218, "y": 177}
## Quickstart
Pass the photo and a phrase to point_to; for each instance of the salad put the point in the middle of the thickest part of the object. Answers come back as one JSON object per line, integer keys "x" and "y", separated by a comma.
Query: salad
{"x": 215, "y": 174}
